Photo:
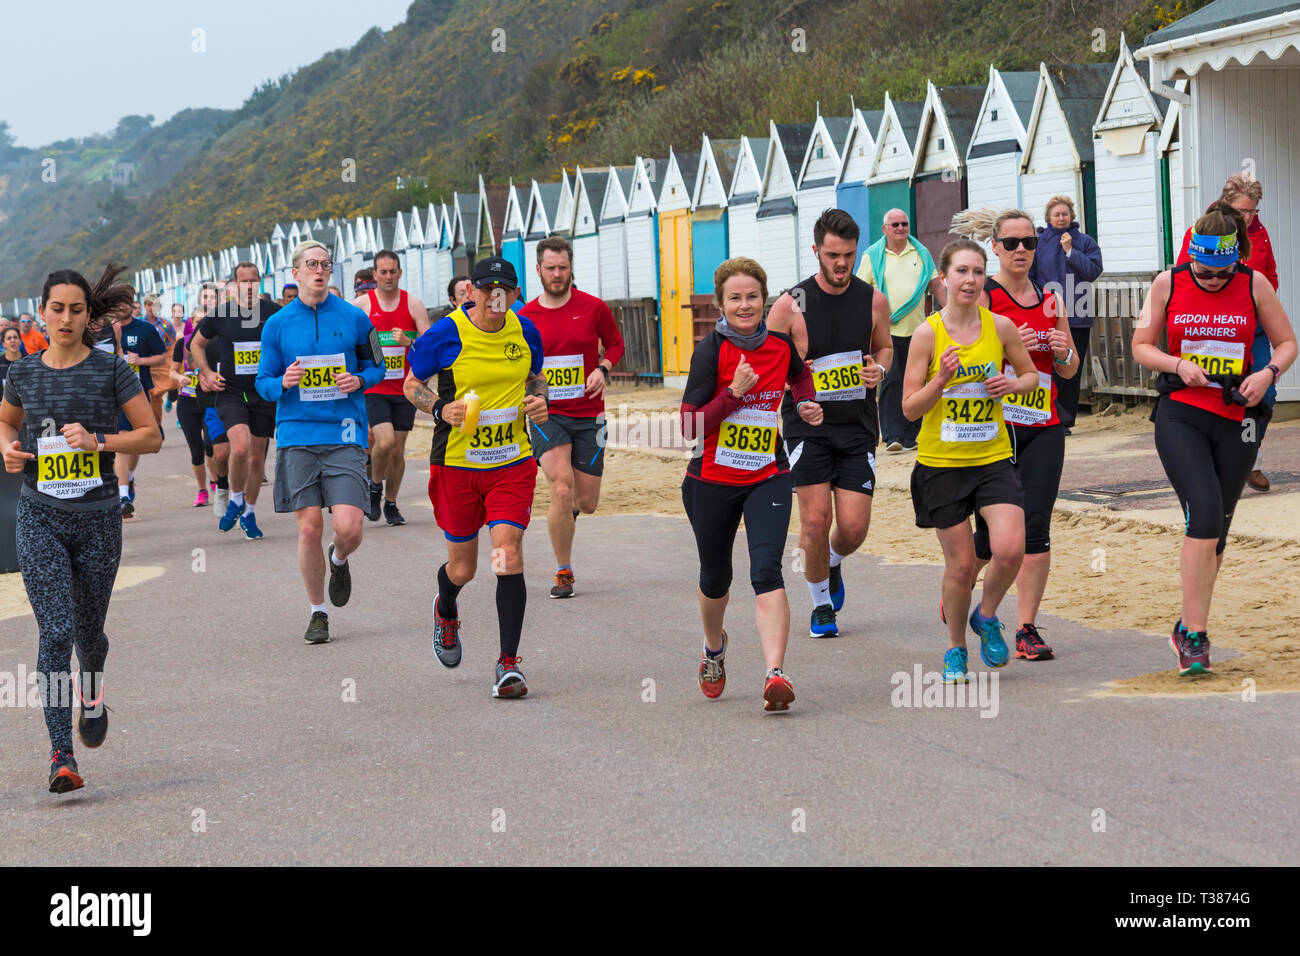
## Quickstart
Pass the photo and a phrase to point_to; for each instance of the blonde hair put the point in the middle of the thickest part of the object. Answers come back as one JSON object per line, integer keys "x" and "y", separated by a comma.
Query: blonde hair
{"x": 1059, "y": 201}
{"x": 1239, "y": 185}
{"x": 739, "y": 266}
{"x": 985, "y": 224}
{"x": 301, "y": 249}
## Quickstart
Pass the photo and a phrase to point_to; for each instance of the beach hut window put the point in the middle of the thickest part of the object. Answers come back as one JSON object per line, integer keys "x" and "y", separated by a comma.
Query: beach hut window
{"x": 941, "y": 142}
{"x": 994, "y": 116}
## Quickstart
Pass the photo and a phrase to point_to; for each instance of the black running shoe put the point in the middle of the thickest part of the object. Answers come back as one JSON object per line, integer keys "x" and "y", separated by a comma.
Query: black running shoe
{"x": 376, "y": 498}
{"x": 63, "y": 772}
{"x": 1030, "y": 645}
{"x": 92, "y": 720}
{"x": 340, "y": 581}
{"x": 318, "y": 631}
{"x": 392, "y": 515}
{"x": 128, "y": 509}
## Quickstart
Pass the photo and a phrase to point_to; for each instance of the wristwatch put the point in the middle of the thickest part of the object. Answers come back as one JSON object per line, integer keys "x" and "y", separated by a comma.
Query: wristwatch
{"x": 1069, "y": 354}
{"x": 1277, "y": 372}
{"x": 99, "y": 441}
{"x": 603, "y": 369}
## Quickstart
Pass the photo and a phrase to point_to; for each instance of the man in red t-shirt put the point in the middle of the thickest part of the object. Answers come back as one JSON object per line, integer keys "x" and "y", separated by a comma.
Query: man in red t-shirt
{"x": 581, "y": 344}
{"x": 399, "y": 318}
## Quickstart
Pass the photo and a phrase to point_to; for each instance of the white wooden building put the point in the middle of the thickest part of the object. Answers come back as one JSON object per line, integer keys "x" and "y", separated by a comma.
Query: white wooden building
{"x": 778, "y": 210}
{"x": 543, "y": 204}
{"x": 642, "y": 230}
{"x": 742, "y": 198}
{"x": 613, "y": 232}
{"x": 855, "y": 165}
{"x": 999, "y": 139}
{"x": 818, "y": 171}
{"x": 588, "y": 197}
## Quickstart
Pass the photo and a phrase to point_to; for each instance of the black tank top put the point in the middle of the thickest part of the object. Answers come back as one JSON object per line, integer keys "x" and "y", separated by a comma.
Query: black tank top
{"x": 836, "y": 324}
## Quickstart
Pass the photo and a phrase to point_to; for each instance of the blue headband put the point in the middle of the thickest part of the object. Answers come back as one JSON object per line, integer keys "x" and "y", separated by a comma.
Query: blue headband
{"x": 1213, "y": 250}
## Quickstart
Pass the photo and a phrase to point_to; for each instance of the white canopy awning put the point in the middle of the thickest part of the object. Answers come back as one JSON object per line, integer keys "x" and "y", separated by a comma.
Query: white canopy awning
{"x": 1275, "y": 38}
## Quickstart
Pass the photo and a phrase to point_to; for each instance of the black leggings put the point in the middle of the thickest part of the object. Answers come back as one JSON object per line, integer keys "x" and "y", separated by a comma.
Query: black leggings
{"x": 715, "y": 511}
{"x": 69, "y": 561}
{"x": 1039, "y": 457}
{"x": 1207, "y": 458}
{"x": 1067, "y": 389}
{"x": 190, "y": 415}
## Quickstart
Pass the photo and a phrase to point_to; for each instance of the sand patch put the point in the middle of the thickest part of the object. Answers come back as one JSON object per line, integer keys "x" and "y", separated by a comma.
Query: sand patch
{"x": 13, "y": 596}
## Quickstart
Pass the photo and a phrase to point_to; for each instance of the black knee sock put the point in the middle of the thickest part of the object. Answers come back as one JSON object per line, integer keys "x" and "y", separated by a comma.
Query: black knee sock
{"x": 447, "y": 594}
{"x": 511, "y": 600}
{"x": 223, "y": 482}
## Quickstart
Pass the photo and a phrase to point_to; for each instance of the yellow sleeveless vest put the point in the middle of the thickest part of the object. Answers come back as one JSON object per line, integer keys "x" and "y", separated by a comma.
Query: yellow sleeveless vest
{"x": 965, "y": 427}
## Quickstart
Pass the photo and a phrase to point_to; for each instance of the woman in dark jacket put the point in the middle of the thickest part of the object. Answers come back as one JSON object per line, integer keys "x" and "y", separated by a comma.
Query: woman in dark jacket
{"x": 1067, "y": 262}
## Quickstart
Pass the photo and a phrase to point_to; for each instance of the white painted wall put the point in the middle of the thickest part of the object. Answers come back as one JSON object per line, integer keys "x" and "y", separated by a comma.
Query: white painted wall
{"x": 586, "y": 264}
{"x": 642, "y": 270}
{"x": 742, "y": 231}
{"x": 1129, "y": 218}
{"x": 895, "y": 154}
{"x": 613, "y": 260}
{"x": 1038, "y": 188}
{"x": 812, "y": 202}
{"x": 777, "y": 238}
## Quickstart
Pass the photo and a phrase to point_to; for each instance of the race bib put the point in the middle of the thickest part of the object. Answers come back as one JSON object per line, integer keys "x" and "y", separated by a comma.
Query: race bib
{"x": 838, "y": 377}
{"x": 564, "y": 377}
{"x": 320, "y": 377}
{"x": 63, "y": 471}
{"x": 1032, "y": 409}
{"x": 968, "y": 413}
{"x": 747, "y": 439}
{"x": 495, "y": 441}
{"x": 247, "y": 355}
{"x": 191, "y": 384}
{"x": 1216, "y": 358}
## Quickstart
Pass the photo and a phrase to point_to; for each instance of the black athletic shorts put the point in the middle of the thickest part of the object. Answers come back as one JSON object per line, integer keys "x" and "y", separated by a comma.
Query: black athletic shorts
{"x": 944, "y": 497}
{"x": 246, "y": 408}
{"x": 842, "y": 457}
{"x": 395, "y": 410}
{"x": 584, "y": 436}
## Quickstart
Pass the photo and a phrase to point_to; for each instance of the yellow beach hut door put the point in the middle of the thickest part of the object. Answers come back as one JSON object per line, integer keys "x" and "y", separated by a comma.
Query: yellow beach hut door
{"x": 675, "y": 291}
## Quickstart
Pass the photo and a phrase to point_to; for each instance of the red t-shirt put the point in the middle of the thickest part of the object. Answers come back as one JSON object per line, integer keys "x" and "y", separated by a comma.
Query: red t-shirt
{"x": 1213, "y": 329}
{"x": 394, "y": 355}
{"x": 1028, "y": 410}
{"x": 571, "y": 338}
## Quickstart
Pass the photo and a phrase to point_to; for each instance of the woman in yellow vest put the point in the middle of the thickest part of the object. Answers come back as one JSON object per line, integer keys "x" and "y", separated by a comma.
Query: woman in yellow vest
{"x": 954, "y": 381}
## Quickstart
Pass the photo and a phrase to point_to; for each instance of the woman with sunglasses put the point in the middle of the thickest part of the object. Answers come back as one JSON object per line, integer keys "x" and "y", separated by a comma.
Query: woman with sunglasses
{"x": 1208, "y": 310}
{"x": 1033, "y": 420}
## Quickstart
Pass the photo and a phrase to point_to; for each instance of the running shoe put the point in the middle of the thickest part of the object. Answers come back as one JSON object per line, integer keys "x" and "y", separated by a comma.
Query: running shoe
{"x": 340, "y": 581}
{"x": 128, "y": 509}
{"x": 220, "y": 501}
{"x": 894, "y": 446}
{"x": 823, "y": 622}
{"x": 446, "y": 638}
{"x": 1193, "y": 650}
{"x": 167, "y": 407}
{"x": 248, "y": 523}
{"x": 778, "y": 692}
{"x": 376, "y": 499}
{"x": 1030, "y": 645}
{"x": 63, "y": 772}
{"x": 910, "y": 447}
{"x": 713, "y": 670}
{"x": 955, "y": 666}
{"x": 318, "y": 630}
{"x": 510, "y": 679}
{"x": 231, "y": 517}
{"x": 201, "y": 499}
{"x": 392, "y": 515}
{"x": 92, "y": 730}
{"x": 130, "y": 489}
{"x": 563, "y": 585}
{"x": 837, "y": 588}
{"x": 993, "y": 649}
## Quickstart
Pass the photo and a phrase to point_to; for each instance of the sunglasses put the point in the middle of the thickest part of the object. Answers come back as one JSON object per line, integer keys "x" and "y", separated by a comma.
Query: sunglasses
{"x": 899, "y": 225}
{"x": 1011, "y": 243}
{"x": 1206, "y": 275}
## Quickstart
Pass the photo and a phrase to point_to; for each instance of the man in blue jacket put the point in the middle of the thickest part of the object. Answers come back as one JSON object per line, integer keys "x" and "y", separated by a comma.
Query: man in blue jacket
{"x": 319, "y": 354}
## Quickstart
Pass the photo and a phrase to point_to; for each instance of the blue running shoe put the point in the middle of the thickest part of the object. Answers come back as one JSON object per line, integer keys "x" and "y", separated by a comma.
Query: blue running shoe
{"x": 823, "y": 622}
{"x": 993, "y": 649}
{"x": 130, "y": 486}
{"x": 954, "y": 666}
{"x": 837, "y": 589}
{"x": 249, "y": 524}
{"x": 233, "y": 513}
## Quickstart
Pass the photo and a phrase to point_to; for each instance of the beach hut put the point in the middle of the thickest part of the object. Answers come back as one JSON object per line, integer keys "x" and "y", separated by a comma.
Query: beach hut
{"x": 562, "y": 223}
{"x": 642, "y": 229}
{"x": 492, "y": 216}
{"x": 589, "y": 187}
{"x": 742, "y": 198}
{"x": 1238, "y": 115}
{"x": 1130, "y": 185}
{"x": 709, "y": 247}
{"x": 464, "y": 232}
{"x": 778, "y": 210}
{"x": 675, "y": 267}
{"x": 998, "y": 141}
{"x": 889, "y": 183}
{"x": 613, "y": 232}
{"x": 1058, "y": 157}
{"x": 818, "y": 171}
{"x": 543, "y": 203}
{"x": 446, "y": 254}
{"x": 413, "y": 257}
{"x": 512, "y": 235}
{"x": 855, "y": 165}
{"x": 939, "y": 161}
{"x": 1171, "y": 171}
{"x": 431, "y": 286}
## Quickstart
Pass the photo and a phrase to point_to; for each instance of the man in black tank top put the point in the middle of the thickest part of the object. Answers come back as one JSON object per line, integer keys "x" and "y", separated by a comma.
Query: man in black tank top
{"x": 840, "y": 325}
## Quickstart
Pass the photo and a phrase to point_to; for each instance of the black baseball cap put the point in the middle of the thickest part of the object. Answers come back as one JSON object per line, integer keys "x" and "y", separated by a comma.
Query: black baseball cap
{"x": 494, "y": 271}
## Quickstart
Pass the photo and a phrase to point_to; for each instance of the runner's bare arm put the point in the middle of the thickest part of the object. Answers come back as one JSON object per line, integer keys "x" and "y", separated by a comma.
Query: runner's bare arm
{"x": 419, "y": 394}
{"x": 1061, "y": 339}
{"x": 420, "y": 314}
{"x": 786, "y": 316}
{"x": 919, "y": 395}
{"x": 535, "y": 402}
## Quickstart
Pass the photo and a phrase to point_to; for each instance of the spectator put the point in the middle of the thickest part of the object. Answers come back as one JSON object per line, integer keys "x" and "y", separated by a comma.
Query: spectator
{"x": 33, "y": 340}
{"x": 1067, "y": 262}
{"x": 363, "y": 281}
{"x": 290, "y": 292}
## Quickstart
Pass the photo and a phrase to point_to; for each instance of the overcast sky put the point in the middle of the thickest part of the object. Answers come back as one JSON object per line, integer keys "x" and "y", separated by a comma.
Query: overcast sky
{"x": 75, "y": 67}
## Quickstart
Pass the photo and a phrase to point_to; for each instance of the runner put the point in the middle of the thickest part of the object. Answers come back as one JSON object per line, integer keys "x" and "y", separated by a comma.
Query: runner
{"x": 248, "y": 420}
{"x": 33, "y": 339}
{"x": 840, "y": 325}
{"x": 190, "y": 416}
{"x": 954, "y": 382}
{"x": 488, "y": 369}
{"x": 731, "y": 405}
{"x": 13, "y": 351}
{"x": 216, "y": 445}
{"x": 1206, "y": 438}
{"x": 400, "y": 318}
{"x": 165, "y": 331}
{"x": 180, "y": 330}
{"x": 576, "y": 328}
{"x": 143, "y": 349}
{"x": 318, "y": 353}
{"x": 69, "y": 528}
{"x": 1036, "y": 432}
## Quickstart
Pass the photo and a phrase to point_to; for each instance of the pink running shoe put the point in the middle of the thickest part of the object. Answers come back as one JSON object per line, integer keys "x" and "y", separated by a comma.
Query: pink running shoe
{"x": 201, "y": 499}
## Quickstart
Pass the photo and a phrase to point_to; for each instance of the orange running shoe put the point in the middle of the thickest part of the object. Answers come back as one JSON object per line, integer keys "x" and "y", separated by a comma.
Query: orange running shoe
{"x": 713, "y": 670}
{"x": 778, "y": 692}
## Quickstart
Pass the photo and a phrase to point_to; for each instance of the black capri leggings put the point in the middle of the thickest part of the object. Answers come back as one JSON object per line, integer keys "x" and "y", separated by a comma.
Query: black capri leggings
{"x": 715, "y": 511}
{"x": 190, "y": 416}
{"x": 1207, "y": 458}
{"x": 1039, "y": 457}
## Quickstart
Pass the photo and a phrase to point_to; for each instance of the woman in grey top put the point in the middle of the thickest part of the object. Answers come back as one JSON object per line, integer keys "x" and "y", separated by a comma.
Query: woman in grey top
{"x": 58, "y": 425}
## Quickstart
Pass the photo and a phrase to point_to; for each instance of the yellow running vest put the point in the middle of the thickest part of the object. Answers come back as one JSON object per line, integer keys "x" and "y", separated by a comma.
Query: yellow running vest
{"x": 964, "y": 428}
{"x": 496, "y": 365}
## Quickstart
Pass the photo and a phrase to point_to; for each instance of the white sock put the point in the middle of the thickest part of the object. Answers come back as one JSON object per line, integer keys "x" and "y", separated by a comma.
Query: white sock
{"x": 319, "y": 607}
{"x": 248, "y": 508}
{"x": 236, "y": 498}
{"x": 133, "y": 476}
{"x": 334, "y": 559}
{"x": 836, "y": 558}
{"x": 820, "y": 591}
{"x": 123, "y": 491}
